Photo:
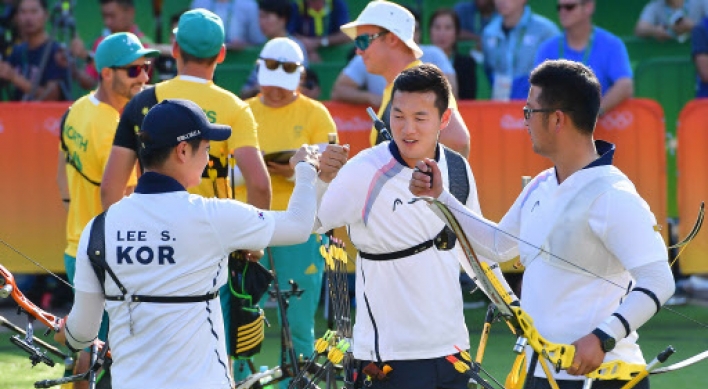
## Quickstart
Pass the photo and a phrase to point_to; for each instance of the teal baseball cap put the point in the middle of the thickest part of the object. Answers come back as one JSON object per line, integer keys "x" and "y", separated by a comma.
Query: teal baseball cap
{"x": 200, "y": 33}
{"x": 120, "y": 49}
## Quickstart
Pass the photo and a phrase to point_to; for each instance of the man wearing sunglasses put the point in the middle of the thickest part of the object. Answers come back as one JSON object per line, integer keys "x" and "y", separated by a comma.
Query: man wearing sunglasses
{"x": 198, "y": 48}
{"x": 595, "y": 47}
{"x": 384, "y": 38}
{"x": 572, "y": 225}
{"x": 87, "y": 131}
{"x": 287, "y": 119}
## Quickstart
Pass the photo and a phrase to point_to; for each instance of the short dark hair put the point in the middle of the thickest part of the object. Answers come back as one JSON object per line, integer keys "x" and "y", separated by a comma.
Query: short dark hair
{"x": 282, "y": 8}
{"x": 422, "y": 79}
{"x": 571, "y": 87}
{"x": 157, "y": 157}
{"x": 122, "y": 3}
{"x": 186, "y": 57}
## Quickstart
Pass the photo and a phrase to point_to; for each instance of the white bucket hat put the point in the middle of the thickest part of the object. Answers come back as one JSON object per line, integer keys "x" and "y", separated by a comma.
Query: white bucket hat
{"x": 390, "y": 16}
{"x": 282, "y": 50}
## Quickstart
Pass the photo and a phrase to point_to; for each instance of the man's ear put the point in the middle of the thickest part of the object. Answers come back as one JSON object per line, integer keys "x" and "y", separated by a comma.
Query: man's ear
{"x": 181, "y": 151}
{"x": 445, "y": 118}
{"x": 107, "y": 73}
{"x": 176, "y": 53}
{"x": 561, "y": 119}
{"x": 222, "y": 54}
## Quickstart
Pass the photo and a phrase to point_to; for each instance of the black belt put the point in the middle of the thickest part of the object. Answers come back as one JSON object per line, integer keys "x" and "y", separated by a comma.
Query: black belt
{"x": 443, "y": 241}
{"x": 138, "y": 298}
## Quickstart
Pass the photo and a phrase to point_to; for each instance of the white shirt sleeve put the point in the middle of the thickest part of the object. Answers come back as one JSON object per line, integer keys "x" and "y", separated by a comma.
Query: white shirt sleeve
{"x": 625, "y": 224}
{"x": 627, "y": 227}
{"x": 294, "y": 225}
{"x": 84, "y": 320}
{"x": 638, "y": 307}
{"x": 343, "y": 200}
{"x": 85, "y": 317}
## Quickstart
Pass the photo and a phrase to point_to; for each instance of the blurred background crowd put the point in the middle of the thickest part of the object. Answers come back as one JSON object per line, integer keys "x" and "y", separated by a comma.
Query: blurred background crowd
{"x": 656, "y": 49}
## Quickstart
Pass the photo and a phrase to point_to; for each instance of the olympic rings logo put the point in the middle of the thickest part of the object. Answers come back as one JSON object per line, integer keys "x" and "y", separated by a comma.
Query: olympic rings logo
{"x": 617, "y": 120}
{"x": 355, "y": 123}
{"x": 51, "y": 124}
{"x": 512, "y": 122}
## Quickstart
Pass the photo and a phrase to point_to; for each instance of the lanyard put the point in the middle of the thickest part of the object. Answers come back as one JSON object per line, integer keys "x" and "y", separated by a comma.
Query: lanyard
{"x": 586, "y": 52}
{"x": 511, "y": 52}
{"x": 320, "y": 18}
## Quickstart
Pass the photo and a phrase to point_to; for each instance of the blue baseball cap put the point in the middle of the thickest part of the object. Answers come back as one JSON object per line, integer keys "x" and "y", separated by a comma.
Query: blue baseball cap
{"x": 176, "y": 120}
{"x": 200, "y": 33}
{"x": 120, "y": 49}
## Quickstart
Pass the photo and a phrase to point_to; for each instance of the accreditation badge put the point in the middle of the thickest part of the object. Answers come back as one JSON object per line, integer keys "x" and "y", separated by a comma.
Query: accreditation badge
{"x": 501, "y": 90}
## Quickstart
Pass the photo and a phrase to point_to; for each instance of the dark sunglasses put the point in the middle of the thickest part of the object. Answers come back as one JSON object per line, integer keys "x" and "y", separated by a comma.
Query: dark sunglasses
{"x": 568, "y": 7}
{"x": 363, "y": 41}
{"x": 529, "y": 111}
{"x": 288, "y": 67}
{"x": 134, "y": 71}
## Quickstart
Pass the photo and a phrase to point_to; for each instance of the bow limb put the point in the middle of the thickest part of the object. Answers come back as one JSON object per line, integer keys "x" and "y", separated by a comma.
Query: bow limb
{"x": 680, "y": 365}
{"x": 9, "y": 287}
{"x": 559, "y": 355}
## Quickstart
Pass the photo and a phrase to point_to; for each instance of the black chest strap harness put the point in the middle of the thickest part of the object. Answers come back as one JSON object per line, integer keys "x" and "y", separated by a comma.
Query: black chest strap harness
{"x": 445, "y": 239}
{"x": 97, "y": 255}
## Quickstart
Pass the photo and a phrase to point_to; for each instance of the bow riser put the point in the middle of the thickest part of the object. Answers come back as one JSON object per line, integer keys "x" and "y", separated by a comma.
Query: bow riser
{"x": 9, "y": 285}
{"x": 559, "y": 355}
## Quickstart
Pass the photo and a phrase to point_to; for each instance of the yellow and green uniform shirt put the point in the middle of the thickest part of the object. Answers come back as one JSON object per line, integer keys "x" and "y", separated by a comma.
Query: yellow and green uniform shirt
{"x": 219, "y": 105}
{"x": 285, "y": 128}
{"x": 222, "y": 107}
{"x": 88, "y": 135}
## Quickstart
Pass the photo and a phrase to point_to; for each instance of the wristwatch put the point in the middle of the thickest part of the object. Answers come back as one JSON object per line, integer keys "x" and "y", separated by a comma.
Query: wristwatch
{"x": 606, "y": 341}
{"x": 324, "y": 42}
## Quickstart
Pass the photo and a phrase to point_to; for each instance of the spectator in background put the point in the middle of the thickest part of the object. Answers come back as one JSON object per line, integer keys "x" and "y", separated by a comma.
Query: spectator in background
{"x": 595, "y": 47}
{"x": 699, "y": 39}
{"x": 92, "y": 119}
{"x": 8, "y": 27}
{"x": 384, "y": 37}
{"x": 273, "y": 18}
{"x": 509, "y": 44}
{"x": 286, "y": 120}
{"x": 316, "y": 23}
{"x": 474, "y": 16}
{"x": 357, "y": 86}
{"x": 670, "y": 19}
{"x": 444, "y": 31}
{"x": 240, "y": 21}
{"x": 32, "y": 69}
{"x": 118, "y": 16}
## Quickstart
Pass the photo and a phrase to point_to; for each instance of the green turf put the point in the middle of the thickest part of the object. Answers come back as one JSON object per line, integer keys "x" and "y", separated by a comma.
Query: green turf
{"x": 665, "y": 329}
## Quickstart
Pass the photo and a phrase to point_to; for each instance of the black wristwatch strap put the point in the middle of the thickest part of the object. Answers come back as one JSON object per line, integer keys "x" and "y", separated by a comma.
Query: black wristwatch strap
{"x": 606, "y": 341}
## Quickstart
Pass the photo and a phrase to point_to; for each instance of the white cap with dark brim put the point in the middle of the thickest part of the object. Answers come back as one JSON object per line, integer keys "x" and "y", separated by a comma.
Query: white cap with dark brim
{"x": 390, "y": 16}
